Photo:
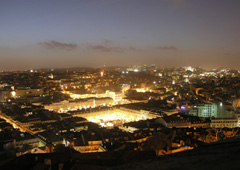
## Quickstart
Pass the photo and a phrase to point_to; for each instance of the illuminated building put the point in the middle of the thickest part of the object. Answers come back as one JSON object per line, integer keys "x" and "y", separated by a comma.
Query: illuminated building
{"x": 224, "y": 123}
{"x": 88, "y": 143}
{"x": 117, "y": 97}
{"x": 64, "y": 106}
{"x": 217, "y": 110}
{"x": 27, "y": 92}
{"x": 5, "y": 95}
{"x": 204, "y": 110}
{"x": 125, "y": 87}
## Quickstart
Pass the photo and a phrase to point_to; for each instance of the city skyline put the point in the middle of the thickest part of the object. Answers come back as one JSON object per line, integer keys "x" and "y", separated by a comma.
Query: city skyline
{"x": 50, "y": 34}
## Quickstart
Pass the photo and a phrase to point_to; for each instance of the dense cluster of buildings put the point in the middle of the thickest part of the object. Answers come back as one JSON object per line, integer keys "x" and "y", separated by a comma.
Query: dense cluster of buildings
{"x": 133, "y": 108}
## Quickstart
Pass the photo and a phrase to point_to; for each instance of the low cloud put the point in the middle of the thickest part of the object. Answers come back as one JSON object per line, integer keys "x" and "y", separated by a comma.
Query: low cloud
{"x": 104, "y": 48}
{"x": 170, "y": 48}
{"x": 108, "y": 47}
{"x": 108, "y": 42}
{"x": 132, "y": 48}
{"x": 58, "y": 45}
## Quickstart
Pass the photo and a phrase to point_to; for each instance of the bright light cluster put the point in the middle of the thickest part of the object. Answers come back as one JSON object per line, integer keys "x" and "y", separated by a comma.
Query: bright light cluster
{"x": 115, "y": 118}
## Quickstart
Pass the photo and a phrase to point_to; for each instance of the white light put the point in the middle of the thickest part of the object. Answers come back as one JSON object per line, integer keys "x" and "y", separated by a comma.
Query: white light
{"x": 13, "y": 93}
{"x": 135, "y": 70}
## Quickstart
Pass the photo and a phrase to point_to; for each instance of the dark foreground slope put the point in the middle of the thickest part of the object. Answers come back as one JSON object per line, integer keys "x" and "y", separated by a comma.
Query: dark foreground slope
{"x": 222, "y": 155}
{"x": 74, "y": 160}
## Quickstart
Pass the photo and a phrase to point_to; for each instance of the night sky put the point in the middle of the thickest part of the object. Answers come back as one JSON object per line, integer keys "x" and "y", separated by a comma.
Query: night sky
{"x": 79, "y": 33}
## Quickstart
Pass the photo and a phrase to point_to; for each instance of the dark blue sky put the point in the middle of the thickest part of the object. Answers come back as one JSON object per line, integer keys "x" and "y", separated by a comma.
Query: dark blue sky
{"x": 66, "y": 33}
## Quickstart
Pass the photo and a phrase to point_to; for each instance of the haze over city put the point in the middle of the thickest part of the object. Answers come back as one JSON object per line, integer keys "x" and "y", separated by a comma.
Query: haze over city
{"x": 76, "y": 33}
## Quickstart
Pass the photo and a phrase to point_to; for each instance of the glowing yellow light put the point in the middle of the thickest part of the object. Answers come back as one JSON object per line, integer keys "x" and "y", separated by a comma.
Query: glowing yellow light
{"x": 141, "y": 90}
{"x": 13, "y": 93}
